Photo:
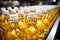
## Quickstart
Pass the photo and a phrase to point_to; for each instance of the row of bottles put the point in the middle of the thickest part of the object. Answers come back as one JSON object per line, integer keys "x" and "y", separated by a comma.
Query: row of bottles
{"x": 27, "y": 23}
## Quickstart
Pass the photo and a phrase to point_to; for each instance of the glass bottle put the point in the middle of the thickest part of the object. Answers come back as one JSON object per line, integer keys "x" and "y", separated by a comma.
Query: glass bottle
{"x": 40, "y": 23}
{"x": 11, "y": 34}
{"x": 5, "y": 18}
{"x": 31, "y": 30}
{"x": 21, "y": 23}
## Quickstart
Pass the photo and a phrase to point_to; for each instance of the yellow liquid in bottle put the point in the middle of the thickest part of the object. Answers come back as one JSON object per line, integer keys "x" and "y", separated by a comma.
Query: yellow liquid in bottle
{"x": 21, "y": 21}
{"x": 1, "y": 20}
{"x": 11, "y": 34}
{"x": 46, "y": 22}
{"x": 2, "y": 35}
{"x": 6, "y": 25}
{"x": 31, "y": 32}
{"x": 41, "y": 27}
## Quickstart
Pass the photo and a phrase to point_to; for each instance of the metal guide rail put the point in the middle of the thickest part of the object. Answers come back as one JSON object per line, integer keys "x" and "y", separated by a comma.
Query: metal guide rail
{"x": 53, "y": 30}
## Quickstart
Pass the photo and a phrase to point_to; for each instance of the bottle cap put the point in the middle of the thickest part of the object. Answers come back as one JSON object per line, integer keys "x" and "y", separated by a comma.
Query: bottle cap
{"x": 21, "y": 12}
{"x": 39, "y": 11}
{"x": 13, "y": 10}
{"x": 13, "y": 16}
{"x": 16, "y": 8}
{"x": 31, "y": 15}
{"x": 3, "y": 8}
{"x": 27, "y": 10}
{"x": 9, "y": 8}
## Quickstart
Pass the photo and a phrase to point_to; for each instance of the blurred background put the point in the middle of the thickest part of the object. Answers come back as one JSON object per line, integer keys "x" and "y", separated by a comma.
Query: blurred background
{"x": 4, "y": 3}
{"x": 18, "y": 3}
